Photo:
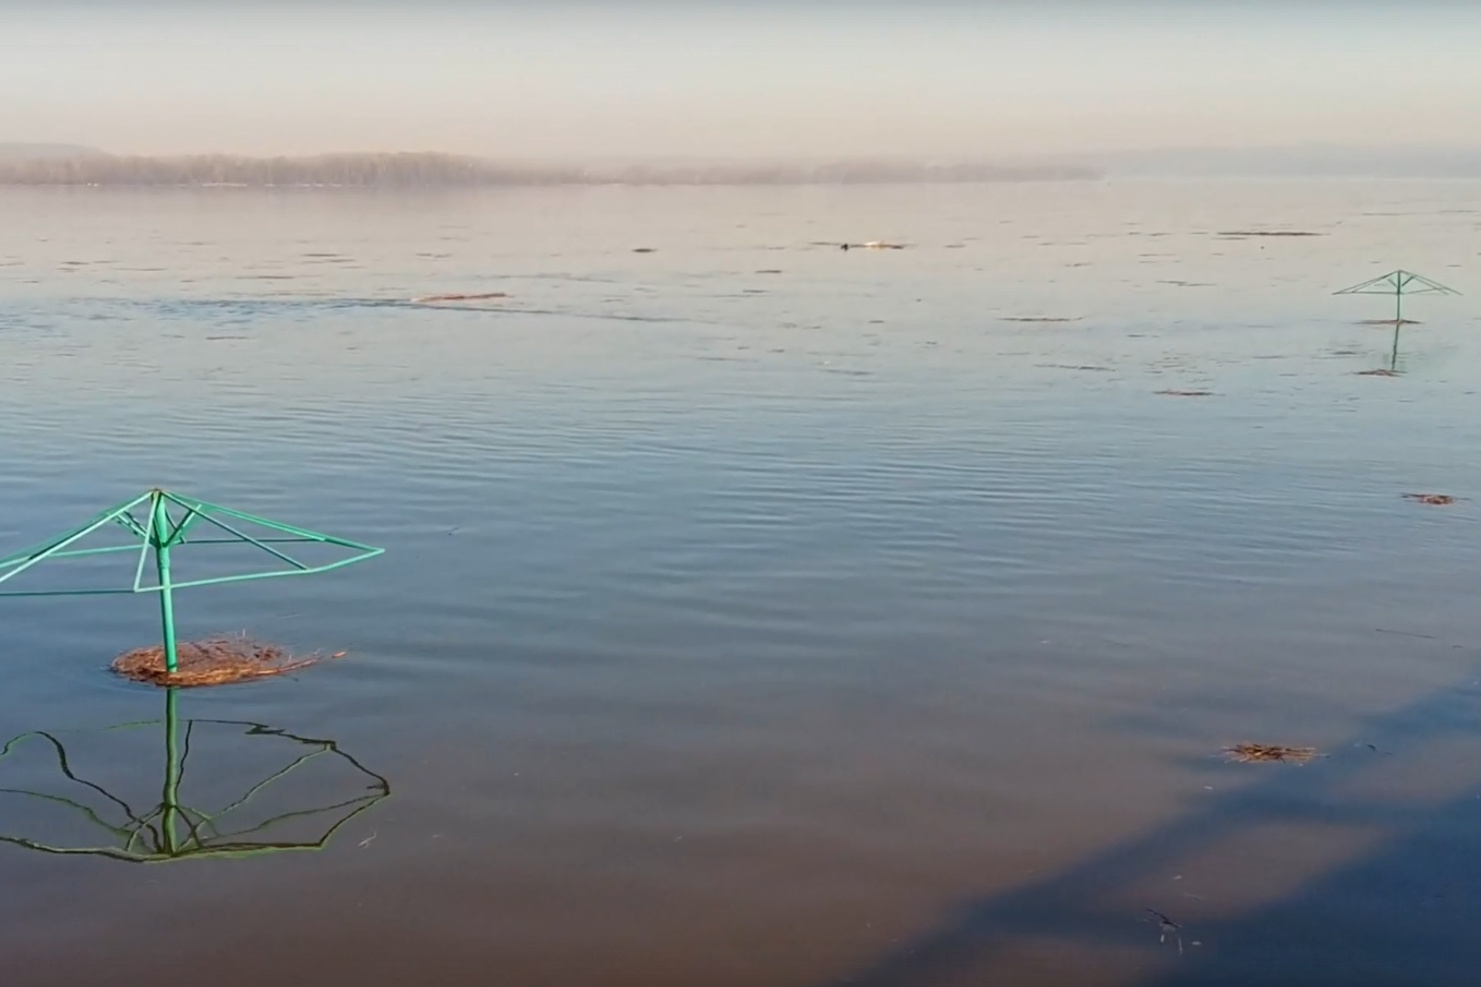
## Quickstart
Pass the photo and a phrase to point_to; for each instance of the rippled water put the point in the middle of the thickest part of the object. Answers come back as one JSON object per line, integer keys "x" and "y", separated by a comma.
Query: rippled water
{"x": 756, "y": 612}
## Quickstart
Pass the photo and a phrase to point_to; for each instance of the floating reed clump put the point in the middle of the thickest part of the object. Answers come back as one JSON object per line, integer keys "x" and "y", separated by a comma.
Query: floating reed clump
{"x": 1247, "y": 753}
{"x": 215, "y": 661}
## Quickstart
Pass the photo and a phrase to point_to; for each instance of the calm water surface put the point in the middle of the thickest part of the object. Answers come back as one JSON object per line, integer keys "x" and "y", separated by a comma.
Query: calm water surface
{"x": 754, "y": 612}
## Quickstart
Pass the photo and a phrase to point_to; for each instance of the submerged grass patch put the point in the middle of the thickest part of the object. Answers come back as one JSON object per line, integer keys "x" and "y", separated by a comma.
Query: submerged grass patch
{"x": 1433, "y": 499}
{"x": 1248, "y": 753}
{"x": 475, "y": 297}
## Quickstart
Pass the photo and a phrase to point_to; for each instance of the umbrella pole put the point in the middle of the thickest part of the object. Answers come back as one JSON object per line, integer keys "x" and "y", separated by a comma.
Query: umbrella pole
{"x": 172, "y": 774}
{"x": 160, "y": 526}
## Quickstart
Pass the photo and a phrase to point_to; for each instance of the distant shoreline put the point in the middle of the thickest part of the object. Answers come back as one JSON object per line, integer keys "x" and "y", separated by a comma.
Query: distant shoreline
{"x": 63, "y": 165}
{"x": 425, "y": 170}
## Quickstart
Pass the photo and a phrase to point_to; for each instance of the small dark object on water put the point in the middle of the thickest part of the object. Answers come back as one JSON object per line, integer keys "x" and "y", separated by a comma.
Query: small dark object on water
{"x": 1247, "y": 753}
{"x": 1186, "y": 394}
{"x": 1435, "y": 500}
{"x": 1423, "y": 637}
{"x": 1166, "y": 927}
{"x": 644, "y": 250}
{"x": 216, "y": 661}
{"x": 1378, "y": 373}
{"x": 1269, "y": 233}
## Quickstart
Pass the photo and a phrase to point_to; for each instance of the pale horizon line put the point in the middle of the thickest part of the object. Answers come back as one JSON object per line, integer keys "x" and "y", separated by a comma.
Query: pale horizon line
{"x": 80, "y": 165}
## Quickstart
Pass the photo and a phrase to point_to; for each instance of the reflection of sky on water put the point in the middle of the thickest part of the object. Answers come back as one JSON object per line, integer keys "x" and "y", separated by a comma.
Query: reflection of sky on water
{"x": 866, "y": 592}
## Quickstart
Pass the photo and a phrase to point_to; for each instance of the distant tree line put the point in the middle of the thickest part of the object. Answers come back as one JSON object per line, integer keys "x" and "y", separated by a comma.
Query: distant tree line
{"x": 407, "y": 170}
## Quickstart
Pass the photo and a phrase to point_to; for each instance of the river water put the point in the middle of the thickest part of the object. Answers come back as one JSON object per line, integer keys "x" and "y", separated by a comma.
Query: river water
{"x": 756, "y": 613}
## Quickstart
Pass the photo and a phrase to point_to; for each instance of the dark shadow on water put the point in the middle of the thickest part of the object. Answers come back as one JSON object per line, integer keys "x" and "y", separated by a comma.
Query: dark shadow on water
{"x": 60, "y": 808}
{"x": 1396, "y": 905}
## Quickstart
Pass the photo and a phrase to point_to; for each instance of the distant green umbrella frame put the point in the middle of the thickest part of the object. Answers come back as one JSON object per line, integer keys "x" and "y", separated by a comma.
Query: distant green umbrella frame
{"x": 163, "y": 521}
{"x": 1398, "y": 284}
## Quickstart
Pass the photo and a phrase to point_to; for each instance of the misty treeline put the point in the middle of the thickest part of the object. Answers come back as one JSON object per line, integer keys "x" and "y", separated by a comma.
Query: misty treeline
{"x": 445, "y": 170}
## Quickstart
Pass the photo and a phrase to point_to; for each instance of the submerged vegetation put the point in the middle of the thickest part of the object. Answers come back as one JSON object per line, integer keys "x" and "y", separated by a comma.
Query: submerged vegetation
{"x": 446, "y": 170}
{"x": 1247, "y": 753}
{"x": 1433, "y": 499}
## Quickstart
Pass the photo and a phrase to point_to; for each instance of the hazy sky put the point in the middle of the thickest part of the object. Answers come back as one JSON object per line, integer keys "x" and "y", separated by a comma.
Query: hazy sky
{"x": 811, "y": 79}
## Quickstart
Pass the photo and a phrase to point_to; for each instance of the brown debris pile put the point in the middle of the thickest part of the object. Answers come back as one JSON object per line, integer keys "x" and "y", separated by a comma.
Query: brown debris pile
{"x": 1247, "y": 753}
{"x": 215, "y": 661}
{"x": 1436, "y": 500}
